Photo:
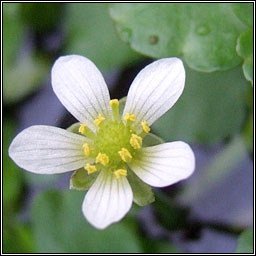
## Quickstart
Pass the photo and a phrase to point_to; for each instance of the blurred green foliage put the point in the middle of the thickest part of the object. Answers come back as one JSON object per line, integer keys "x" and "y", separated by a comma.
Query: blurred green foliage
{"x": 245, "y": 242}
{"x": 247, "y": 132}
{"x": 214, "y": 107}
{"x": 171, "y": 216}
{"x": 12, "y": 176}
{"x": 205, "y": 111}
{"x": 90, "y": 32}
{"x": 13, "y": 31}
{"x": 244, "y": 11}
{"x": 17, "y": 236}
{"x": 42, "y": 17}
{"x": 23, "y": 71}
{"x": 23, "y": 77}
{"x": 216, "y": 170}
{"x": 245, "y": 50}
{"x": 60, "y": 228}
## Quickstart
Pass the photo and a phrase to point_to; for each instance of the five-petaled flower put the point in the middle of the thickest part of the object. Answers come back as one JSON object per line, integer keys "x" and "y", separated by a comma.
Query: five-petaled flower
{"x": 107, "y": 144}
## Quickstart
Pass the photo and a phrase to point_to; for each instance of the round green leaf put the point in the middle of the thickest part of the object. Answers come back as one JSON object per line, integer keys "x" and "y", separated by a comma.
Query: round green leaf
{"x": 245, "y": 50}
{"x": 205, "y": 111}
{"x": 59, "y": 227}
{"x": 203, "y": 34}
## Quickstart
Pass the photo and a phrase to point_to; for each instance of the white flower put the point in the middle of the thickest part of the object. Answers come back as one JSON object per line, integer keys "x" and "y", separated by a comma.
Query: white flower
{"x": 106, "y": 144}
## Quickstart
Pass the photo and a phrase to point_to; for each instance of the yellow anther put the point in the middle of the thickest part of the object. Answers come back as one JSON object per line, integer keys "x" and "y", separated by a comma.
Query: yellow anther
{"x": 98, "y": 121}
{"x": 86, "y": 149}
{"x": 145, "y": 126}
{"x": 90, "y": 168}
{"x": 120, "y": 172}
{"x": 130, "y": 117}
{"x": 113, "y": 103}
{"x": 82, "y": 128}
{"x": 125, "y": 155}
{"x": 136, "y": 141}
{"x": 86, "y": 131}
{"x": 102, "y": 158}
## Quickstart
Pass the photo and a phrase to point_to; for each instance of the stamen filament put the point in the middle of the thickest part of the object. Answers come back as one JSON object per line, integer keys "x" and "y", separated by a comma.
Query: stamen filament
{"x": 114, "y": 104}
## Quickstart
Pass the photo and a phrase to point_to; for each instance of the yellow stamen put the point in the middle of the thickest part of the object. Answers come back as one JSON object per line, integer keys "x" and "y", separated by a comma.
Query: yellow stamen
{"x": 130, "y": 117}
{"x": 120, "y": 172}
{"x": 86, "y": 149}
{"x": 90, "y": 168}
{"x": 86, "y": 131}
{"x": 102, "y": 158}
{"x": 98, "y": 121}
{"x": 125, "y": 155}
{"x": 136, "y": 141}
{"x": 114, "y": 104}
{"x": 82, "y": 128}
{"x": 145, "y": 126}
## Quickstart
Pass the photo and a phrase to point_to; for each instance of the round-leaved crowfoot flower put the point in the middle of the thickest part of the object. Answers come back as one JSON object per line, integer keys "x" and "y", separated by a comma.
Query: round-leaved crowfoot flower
{"x": 107, "y": 144}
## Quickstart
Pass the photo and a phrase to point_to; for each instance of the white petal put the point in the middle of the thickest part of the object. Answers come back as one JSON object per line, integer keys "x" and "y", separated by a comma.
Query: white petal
{"x": 108, "y": 200}
{"x": 48, "y": 150}
{"x": 164, "y": 164}
{"x": 155, "y": 89}
{"x": 81, "y": 88}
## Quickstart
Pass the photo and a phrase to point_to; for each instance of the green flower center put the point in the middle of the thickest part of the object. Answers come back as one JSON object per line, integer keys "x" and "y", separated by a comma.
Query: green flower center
{"x": 111, "y": 137}
{"x": 115, "y": 142}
